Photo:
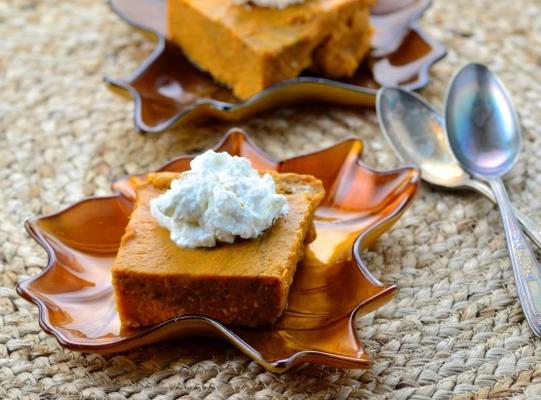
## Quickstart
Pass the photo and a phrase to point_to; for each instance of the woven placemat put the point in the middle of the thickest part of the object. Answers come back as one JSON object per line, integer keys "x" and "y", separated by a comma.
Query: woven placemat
{"x": 455, "y": 328}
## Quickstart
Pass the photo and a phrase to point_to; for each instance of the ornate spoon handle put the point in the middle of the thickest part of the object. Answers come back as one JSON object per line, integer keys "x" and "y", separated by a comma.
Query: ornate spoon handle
{"x": 524, "y": 264}
{"x": 532, "y": 228}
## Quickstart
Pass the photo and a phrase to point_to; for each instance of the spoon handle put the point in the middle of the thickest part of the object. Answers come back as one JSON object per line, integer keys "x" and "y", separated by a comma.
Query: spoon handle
{"x": 525, "y": 267}
{"x": 532, "y": 228}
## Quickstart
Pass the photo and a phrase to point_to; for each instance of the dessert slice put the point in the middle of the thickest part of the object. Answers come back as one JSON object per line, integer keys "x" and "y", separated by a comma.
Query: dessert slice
{"x": 249, "y": 48}
{"x": 244, "y": 283}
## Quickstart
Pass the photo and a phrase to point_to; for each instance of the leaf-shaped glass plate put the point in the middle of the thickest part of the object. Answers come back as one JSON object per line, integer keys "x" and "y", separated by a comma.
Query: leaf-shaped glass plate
{"x": 168, "y": 89}
{"x": 332, "y": 285}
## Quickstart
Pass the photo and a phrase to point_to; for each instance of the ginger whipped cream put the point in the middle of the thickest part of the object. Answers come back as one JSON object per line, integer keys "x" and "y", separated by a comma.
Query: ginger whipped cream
{"x": 222, "y": 197}
{"x": 280, "y": 4}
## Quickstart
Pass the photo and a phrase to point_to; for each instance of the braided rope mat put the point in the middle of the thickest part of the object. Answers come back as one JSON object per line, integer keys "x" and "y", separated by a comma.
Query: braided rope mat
{"x": 455, "y": 329}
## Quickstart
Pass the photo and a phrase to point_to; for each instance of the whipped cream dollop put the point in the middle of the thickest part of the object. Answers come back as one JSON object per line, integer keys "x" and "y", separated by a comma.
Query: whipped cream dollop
{"x": 220, "y": 198}
{"x": 269, "y": 3}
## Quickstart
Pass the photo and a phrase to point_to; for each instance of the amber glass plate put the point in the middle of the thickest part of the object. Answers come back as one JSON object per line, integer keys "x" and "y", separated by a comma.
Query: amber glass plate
{"x": 167, "y": 89}
{"x": 331, "y": 286}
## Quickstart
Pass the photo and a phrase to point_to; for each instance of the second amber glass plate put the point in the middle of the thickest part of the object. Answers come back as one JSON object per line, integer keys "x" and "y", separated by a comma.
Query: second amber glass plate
{"x": 331, "y": 285}
{"x": 168, "y": 89}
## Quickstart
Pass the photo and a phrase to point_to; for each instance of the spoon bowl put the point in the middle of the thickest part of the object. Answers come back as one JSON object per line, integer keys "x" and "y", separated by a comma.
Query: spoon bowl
{"x": 416, "y": 132}
{"x": 484, "y": 130}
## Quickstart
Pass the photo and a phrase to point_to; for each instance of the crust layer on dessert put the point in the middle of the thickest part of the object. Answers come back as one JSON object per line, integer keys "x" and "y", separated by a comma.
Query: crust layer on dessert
{"x": 250, "y": 48}
{"x": 243, "y": 283}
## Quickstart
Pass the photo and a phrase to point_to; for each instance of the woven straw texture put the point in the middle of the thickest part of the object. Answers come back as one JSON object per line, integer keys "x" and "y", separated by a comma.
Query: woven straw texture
{"x": 455, "y": 329}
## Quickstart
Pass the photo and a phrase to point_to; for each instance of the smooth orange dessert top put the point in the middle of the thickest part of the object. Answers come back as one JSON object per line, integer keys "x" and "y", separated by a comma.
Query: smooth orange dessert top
{"x": 250, "y": 48}
{"x": 245, "y": 282}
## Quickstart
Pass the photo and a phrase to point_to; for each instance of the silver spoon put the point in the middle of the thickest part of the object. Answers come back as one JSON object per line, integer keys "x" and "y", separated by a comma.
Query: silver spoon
{"x": 484, "y": 134}
{"x": 416, "y": 132}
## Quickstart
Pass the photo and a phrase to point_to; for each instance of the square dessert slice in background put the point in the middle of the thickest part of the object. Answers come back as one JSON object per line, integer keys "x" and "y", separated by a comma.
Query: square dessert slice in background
{"x": 248, "y": 48}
